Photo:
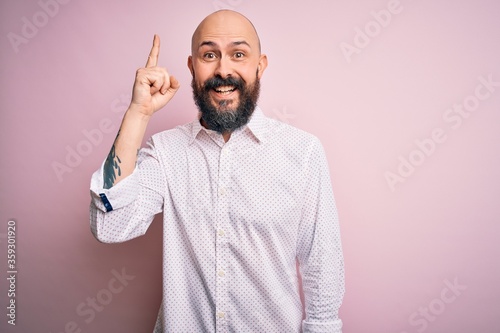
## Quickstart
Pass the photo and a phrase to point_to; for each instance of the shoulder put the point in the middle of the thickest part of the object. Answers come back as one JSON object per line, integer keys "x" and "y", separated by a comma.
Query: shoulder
{"x": 292, "y": 136}
{"x": 180, "y": 136}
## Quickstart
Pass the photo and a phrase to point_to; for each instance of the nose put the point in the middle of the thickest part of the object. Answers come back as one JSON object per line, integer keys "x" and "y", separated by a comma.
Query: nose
{"x": 224, "y": 68}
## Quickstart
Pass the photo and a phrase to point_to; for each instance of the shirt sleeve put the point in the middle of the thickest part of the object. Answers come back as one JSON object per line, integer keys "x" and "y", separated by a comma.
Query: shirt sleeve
{"x": 319, "y": 248}
{"x": 126, "y": 210}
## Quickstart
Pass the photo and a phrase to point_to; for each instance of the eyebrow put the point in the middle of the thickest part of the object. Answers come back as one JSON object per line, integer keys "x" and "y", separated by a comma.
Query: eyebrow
{"x": 207, "y": 43}
{"x": 242, "y": 42}
{"x": 213, "y": 44}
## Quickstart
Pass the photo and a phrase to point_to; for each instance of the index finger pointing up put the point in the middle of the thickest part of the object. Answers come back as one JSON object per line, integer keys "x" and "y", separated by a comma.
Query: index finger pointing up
{"x": 155, "y": 52}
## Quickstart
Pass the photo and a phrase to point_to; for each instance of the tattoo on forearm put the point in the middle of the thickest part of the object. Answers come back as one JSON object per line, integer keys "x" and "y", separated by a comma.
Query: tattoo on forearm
{"x": 111, "y": 167}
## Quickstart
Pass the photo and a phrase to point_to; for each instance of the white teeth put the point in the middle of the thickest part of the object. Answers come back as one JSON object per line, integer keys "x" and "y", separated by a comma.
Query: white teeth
{"x": 225, "y": 90}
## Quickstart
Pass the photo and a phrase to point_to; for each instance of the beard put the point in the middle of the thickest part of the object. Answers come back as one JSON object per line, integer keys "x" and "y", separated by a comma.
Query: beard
{"x": 226, "y": 117}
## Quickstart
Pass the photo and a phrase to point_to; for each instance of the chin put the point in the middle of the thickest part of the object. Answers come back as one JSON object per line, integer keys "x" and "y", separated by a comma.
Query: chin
{"x": 225, "y": 105}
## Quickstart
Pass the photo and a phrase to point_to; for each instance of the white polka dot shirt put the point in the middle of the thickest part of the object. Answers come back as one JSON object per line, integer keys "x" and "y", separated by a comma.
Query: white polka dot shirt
{"x": 237, "y": 217}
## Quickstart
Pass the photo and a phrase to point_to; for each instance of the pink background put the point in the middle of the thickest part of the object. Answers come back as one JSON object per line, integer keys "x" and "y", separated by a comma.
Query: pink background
{"x": 405, "y": 244}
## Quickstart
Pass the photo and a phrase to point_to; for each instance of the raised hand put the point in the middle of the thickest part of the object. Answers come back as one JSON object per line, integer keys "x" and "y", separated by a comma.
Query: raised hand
{"x": 153, "y": 86}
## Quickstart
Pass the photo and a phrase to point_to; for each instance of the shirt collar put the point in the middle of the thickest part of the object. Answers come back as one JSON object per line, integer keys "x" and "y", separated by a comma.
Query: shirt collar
{"x": 256, "y": 126}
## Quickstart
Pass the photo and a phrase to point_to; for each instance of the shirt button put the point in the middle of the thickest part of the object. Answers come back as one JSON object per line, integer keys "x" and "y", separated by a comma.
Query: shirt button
{"x": 221, "y": 232}
{"x": 221, "y": 273}
{"x": 222, "y": 191}
{"x": 220, "y": 314}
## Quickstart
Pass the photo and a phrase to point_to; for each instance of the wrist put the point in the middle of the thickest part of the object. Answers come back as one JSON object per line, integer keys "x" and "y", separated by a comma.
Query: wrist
{"x": 134, "y": 113}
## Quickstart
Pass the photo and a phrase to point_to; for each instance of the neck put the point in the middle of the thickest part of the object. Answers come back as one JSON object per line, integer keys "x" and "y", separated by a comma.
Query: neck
{"x": 226, "y": 136}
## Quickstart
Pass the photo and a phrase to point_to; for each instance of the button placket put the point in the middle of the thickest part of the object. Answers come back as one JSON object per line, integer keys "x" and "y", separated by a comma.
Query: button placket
{"x": 221, "y": 227}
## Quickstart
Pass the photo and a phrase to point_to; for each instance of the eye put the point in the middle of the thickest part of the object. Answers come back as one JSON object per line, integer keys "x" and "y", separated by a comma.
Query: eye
{"x": 209, "y": 56}
{"x": 239, "y": 55}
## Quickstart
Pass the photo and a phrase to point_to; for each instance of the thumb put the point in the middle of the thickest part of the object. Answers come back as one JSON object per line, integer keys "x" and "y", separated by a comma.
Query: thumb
{"x": 174, "y": 84}
{"x": 172, "y": 87}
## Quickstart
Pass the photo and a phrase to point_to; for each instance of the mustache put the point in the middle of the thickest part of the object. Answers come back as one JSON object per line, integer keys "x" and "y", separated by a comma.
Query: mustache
{"x": 218, "y": 81}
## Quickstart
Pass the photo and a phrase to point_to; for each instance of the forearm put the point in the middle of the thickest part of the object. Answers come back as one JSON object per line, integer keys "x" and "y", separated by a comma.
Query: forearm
{"x": 122, "y": 156}
{"x": 323, "y": 283}
{"x": 130, "y": 205}
{"x": 134, "y": 207}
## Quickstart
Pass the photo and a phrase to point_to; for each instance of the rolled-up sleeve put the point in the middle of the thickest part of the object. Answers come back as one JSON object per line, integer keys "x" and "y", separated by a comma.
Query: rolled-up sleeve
{"x": 126, "y": 210}
{"x": 319, "y": 248}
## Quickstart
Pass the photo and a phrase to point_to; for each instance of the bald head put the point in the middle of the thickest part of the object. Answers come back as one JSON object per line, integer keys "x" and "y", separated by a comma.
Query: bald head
{"x": 226, "y": 64}
{"x": 228, "y": 24}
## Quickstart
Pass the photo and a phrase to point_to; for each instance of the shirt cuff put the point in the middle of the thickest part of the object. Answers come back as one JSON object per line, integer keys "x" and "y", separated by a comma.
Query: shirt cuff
{"x": 329, "y": 327}
{"x": 120, "y": 195}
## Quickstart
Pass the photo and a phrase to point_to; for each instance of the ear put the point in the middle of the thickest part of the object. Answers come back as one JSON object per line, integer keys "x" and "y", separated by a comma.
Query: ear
{"x": 190, "y": 65}
{"x": 262, "y": 65}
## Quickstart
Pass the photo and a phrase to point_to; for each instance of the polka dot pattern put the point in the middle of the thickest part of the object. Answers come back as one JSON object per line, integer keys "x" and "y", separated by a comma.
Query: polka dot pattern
{"x": 238, "y": 217}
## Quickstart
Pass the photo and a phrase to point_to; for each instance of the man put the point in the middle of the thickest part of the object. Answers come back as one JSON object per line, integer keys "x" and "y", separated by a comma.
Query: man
{"x": 244, "y": 197}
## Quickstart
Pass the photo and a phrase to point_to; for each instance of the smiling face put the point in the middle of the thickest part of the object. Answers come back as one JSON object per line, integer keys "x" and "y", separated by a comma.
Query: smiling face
{"x": 226, "y": 64}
